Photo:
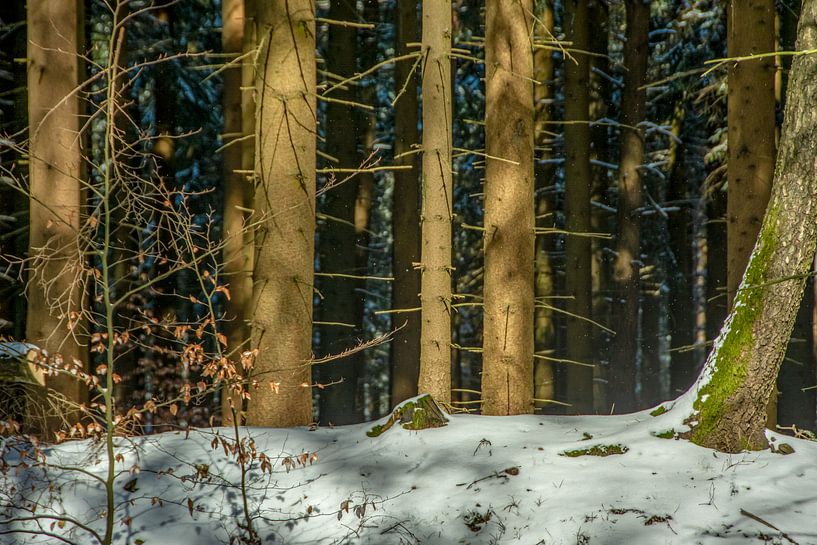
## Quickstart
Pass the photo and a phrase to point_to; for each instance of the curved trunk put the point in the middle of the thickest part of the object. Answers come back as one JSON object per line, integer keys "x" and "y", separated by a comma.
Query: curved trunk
{"x": 740, "y": 373}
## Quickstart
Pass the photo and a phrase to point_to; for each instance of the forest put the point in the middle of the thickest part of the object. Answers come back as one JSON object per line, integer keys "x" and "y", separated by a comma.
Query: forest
{"x": 408, "y": 271}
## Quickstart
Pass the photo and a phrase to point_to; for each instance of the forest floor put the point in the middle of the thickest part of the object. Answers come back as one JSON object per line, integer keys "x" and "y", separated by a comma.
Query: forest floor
{"x": 588, "y": 480}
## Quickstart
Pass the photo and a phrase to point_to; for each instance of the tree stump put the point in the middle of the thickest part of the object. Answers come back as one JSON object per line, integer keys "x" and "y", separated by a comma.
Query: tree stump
{"x": 418, "y": 413}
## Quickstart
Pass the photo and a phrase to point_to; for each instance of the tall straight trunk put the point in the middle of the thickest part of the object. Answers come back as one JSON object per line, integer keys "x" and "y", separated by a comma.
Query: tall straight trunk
{"x": 55, "y": 31}
{"x": 733, "y": 391}
{"x": 544, "y": 329}
{"x": 628, "y": 241}
{"x": 751, "y": 121}
{"x": 437, "y": 195}
{"x": 285, "y": 206}
{"x": 578, "y": 182}
{"x": 405, "y": 348}
{"x": 238, "y": 247}
{"x": 681, "y": 277}
{"x": 336, "y": 246}
{"x": 507, "y": 356}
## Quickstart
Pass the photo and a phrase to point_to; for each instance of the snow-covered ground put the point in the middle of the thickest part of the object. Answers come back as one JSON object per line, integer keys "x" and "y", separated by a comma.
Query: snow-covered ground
{"x": 479, "y": 480}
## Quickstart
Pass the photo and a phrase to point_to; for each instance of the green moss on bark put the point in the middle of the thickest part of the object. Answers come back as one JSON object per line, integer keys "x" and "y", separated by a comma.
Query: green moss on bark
{"x": 736, "y": 348}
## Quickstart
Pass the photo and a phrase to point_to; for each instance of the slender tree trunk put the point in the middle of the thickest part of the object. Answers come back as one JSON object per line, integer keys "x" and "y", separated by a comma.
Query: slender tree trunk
{"x": 507, "y": 356}
{"x": 405, "y": 348}
{"x": 751, "y": 121}
{"x": 339, "y": 305}
{"x": 733, "y": 391}
{"x": 285, "y": 204}
{"x": 437, "y": 192}
{"x": 544, "y": 284}
{"x": 628, "y": 241}
{"x": 238, "y": 247}
{"x": 55, "y": 31}
{"x": 578, "y": 182}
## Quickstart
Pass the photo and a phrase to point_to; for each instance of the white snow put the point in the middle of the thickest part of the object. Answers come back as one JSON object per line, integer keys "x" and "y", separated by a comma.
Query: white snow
{"x": 479, "y": 480}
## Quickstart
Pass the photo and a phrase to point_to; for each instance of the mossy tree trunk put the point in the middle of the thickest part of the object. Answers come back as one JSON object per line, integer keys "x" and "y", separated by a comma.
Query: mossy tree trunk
{"x": 285, "y": 206}
{"x": 507, "y": 357}
{"x": 740, "y": 372}
{"x": 437, "y": 199}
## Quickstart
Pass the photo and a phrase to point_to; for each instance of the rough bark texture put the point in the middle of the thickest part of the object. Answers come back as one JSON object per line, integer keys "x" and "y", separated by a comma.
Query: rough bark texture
{"x": 435, "y": 294}
{"x": 507, "y": 356}
{"x": 285, "y": 203}
{"x": 628, "y": 240}
{"x": 55, "y": 31}
{"x": 545, "y": 279}
{"x": 741, "y": 371}
{"x": 751, "y": 121}
{"x": 578, "y": 181}
{"x": 405, "y": 348}
{"x": 336, "y": 246}
{"x": 238, "y": 245}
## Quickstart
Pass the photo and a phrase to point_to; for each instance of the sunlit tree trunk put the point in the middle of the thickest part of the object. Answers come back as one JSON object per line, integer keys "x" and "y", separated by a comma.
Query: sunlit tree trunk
{"x": 405, "y": 348}
{"x": 507, "y": 356}
{"x": 55, "y": 36}
{"x": 628, "y": 241}
{"x": 238, "y": 245}
{"x": 578, "y": 182}
{"x": 437, "y": 195}
{"x": 285, "y": 206}
{"x": 740, "y": 373}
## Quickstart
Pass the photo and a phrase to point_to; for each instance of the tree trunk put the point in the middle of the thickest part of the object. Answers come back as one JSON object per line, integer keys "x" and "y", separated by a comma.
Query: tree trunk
{"x": 238, "y": 247}
{"x": 507, "y": 356}
{"x": 545, "y": 280}
{"x": 578, "y": 182}
{"x": 740, "y": 373}
{"x": 405, "y": 348}
{"x": 55, "y": 298}
{"x": 285, "y": 206}
{"x": 435, "y": 293}
{"x": 751, "y": 121}
{"x": 627, "y": 265}
{"x": 339, "y": 305}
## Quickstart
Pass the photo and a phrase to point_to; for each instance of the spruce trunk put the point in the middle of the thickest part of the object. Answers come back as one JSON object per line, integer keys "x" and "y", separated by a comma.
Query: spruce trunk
{"x": 285, "y": 207}
{"x": 435, "y": 293}
{"x": 55, "y": 297}
{"x": 507, "y": 356}
{"x": 626, "y": 269}
{"x": 740, "y": 373}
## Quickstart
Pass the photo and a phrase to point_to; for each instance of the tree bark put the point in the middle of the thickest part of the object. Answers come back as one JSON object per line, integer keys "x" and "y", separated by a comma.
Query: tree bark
{"x": 285, "y": 206}
{"x": 733, "y": 391}
{"x": 751, "y": 121}
{"x": 55, "y": 31}
{"x": 336, "y": 243}
{"x": 238, "y": 245}
{"x": 545, "y": 280}
{"x": 405, "y": 348}
{"x": 435, "y": 293}
{"x": 507, "y": 356}
{"x": 626, "y": 269}
{"x": 578, "y": 182}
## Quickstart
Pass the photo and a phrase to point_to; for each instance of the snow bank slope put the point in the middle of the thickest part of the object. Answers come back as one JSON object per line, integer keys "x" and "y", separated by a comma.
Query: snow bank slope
{"x": 480, "y": 480}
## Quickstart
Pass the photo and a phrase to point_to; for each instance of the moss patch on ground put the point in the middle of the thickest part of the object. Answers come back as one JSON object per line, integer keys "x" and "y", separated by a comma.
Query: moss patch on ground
{"x": 596, "y": 450}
